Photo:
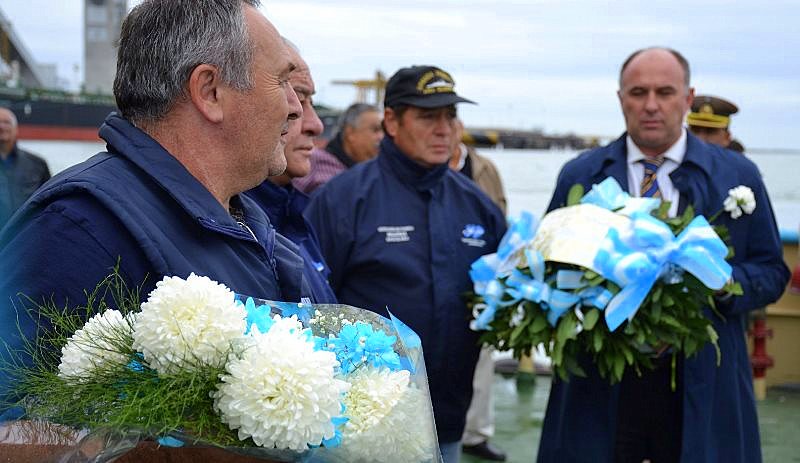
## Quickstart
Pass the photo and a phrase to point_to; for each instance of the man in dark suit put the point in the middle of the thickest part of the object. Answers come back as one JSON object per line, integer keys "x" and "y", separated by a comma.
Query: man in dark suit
{"x": 711, "y": 416}
{"x": 21, "y": 172}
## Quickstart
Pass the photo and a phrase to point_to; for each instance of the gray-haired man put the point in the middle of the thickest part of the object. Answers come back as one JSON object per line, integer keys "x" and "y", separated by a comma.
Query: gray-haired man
{"x": 357, "y": 139}
{"x": 202, "y": 86}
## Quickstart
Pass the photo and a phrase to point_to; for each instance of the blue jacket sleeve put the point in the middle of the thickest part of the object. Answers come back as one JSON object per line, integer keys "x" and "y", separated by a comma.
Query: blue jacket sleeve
{"x": 56, "y": 254}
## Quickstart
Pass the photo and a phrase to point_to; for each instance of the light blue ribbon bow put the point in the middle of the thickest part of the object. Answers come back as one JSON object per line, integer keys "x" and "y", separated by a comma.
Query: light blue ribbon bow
{"x": 536, "y": 289}
{"x": 592, "y": 296}
{"x": 609, "y": 195}
{"x": 493, "y": 299}
{"x": 486, "y": 270}
{"x": 634, "y": 258}
{"x": 501, "y": 263}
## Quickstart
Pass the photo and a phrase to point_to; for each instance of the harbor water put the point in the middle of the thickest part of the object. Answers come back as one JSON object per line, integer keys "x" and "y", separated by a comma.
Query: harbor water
{"x": 529, "y": 176}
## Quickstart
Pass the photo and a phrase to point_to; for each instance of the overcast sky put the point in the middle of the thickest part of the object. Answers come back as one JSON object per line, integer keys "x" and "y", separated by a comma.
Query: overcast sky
{"x": 548, "y": 64}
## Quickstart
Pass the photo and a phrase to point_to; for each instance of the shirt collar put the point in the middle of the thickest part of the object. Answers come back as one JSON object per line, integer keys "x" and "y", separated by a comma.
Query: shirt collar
{"x": 462, "y": 160}
{"x": 336, "y": 147}
{"x": 126, "y": 140}
{"x": 408, "y": 171}
{"x": 12, "y": 156}
{"x": 675, "y": 153}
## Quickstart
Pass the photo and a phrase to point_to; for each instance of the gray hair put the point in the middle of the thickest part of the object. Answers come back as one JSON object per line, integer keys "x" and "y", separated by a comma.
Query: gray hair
{"x": 681, "y": 59}
{"x": 349, "y": 117}
{"x": 162, "y": 41}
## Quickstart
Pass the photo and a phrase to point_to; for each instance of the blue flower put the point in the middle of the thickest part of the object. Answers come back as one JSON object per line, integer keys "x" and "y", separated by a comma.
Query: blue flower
{"x": 338, "y": 423}
{"x": 259, "y": 315}
{"x": 136, "y": 363}
{"x": 292, "y": 308}
{"x": 359, "y": 344}
{"x": 379, "y": 350}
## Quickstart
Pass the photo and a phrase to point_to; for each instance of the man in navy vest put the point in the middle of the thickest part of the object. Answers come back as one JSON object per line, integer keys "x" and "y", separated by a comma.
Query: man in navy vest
{"x": 401, "y": 230}
{"x": 711, "y": 417}
{"x": 202, "y": 87}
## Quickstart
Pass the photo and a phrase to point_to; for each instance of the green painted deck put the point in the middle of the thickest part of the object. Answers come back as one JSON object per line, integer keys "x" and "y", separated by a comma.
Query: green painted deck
{"x": 520, "y": 404}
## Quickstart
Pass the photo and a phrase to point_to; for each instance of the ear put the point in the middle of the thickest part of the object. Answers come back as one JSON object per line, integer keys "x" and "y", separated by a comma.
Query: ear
{"x": 390, "y": 122}
{"x": 689, "y": 98}
{"x": 348, "y": 130}
{"x": 206, "y": 92}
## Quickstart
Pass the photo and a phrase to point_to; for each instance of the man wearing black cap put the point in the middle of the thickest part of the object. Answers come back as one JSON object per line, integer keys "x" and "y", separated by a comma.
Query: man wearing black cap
{"x": 399, "y": 232}
{"x": 710, "y": 120}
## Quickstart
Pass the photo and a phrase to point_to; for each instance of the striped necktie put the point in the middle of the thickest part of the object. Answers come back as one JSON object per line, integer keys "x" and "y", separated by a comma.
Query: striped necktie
{"x": 649, "y": 182}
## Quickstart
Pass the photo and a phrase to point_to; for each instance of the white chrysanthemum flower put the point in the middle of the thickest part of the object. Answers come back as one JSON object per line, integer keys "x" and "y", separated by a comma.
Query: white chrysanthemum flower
{"x": 94, "y": 346}
{"x": 188, "y": 323}
{"x": 389, "y": 419}
{"x": 280, "y": 391}
{"x": 740, "y": 199}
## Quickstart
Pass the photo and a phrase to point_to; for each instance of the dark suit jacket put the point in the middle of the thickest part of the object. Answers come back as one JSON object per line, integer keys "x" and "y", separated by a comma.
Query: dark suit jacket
{"x": 719, "y": 416}
{"x": 20, "y": 176}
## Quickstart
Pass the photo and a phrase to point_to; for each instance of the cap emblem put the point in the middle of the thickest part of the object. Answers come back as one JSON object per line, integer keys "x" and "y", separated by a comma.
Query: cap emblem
{"x": 436, "y": 81}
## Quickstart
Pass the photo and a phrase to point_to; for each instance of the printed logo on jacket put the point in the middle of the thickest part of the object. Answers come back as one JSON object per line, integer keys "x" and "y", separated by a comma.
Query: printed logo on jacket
{"x": 396, "y": 234}
{"x": 471, "y": 235}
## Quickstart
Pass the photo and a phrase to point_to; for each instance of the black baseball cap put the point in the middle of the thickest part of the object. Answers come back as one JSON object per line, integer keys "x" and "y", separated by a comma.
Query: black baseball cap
{"x": 421, "y": 86}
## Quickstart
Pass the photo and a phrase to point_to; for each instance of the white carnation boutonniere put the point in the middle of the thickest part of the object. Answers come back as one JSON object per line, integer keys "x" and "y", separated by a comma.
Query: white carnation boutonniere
{"x": 740, "y": 200}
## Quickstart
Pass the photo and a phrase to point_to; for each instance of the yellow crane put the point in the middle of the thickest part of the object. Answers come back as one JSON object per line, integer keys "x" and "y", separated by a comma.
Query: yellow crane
{"x": 365, "y": 86}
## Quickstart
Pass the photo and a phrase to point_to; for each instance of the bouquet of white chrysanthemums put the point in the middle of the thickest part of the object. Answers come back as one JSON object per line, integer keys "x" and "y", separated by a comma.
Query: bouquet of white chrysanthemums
{"x": 197, "y": 364}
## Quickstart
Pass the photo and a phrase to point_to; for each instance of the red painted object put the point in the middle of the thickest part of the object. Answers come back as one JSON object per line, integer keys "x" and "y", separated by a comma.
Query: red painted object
{"x": 760, "y": 360}
{"x": 795, "y": 286}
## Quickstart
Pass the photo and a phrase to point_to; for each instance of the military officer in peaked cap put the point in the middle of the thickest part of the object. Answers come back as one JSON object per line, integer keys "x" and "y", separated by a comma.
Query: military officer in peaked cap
{"x": 710, "y": 120}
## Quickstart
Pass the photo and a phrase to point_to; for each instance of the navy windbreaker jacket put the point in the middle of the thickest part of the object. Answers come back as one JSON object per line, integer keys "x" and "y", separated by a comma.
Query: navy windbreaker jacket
{"x": 719, "y": 414}
{"x": 400, "y": 236}
{"x": 284, "y": 207}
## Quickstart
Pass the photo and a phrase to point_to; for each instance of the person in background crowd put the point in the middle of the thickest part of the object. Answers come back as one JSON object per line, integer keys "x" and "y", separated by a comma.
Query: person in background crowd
{"x": 479, "y": 427}
{"x": 711, "y": 416}
{"x": 283, "y": 203}
{"x": 206, "y": 122}
{"x": 736, "y": 145}
{"x": 21, "y": 172}
{"x": 356, "y": 140}
{"x": 710, "y": 120}
{"x": 401, "y": 231}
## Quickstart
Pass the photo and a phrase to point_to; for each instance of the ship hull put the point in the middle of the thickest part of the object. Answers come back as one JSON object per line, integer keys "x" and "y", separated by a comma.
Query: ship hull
{"x": 40, "y": 119}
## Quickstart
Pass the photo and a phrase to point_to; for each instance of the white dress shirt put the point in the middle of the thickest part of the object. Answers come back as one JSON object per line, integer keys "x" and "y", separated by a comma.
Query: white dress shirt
{"x": 672, "y": 159}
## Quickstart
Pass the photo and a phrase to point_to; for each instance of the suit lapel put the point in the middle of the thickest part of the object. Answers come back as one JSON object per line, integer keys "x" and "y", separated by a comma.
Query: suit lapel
{"x": 615, "y": 164}
{"x": 692, "y": 178}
